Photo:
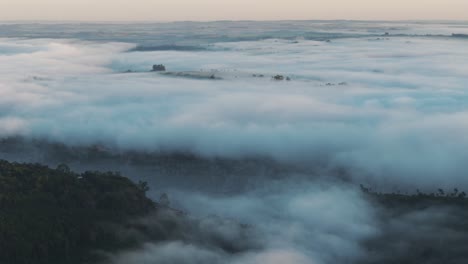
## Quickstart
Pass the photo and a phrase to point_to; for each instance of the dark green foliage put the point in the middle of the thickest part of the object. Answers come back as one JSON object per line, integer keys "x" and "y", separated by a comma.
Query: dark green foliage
{"x": 419, "y": 228}
{"x": 57, "y": 216}
{"x": 418, "y": 200}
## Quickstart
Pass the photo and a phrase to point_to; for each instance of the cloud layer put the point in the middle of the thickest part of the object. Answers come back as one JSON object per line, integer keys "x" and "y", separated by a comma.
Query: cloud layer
{"x": 290, "y": 222}
{"x": 386, "y": 111}
{"x": 398, "y": 114}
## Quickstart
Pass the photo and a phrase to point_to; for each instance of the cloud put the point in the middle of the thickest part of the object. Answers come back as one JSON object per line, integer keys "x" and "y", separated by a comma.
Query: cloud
{"x": 174, "y": 252}
{"x": 314, "y": 221}
{"x": 390, "y": 112}
{"x": 398, "y": 119}
{"x": 287, "y": 221}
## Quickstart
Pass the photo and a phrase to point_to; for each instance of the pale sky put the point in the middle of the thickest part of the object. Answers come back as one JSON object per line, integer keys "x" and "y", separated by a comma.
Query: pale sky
{"x": 174, "y": 10}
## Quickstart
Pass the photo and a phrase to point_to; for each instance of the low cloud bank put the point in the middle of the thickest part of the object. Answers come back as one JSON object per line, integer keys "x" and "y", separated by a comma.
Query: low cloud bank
{"x": 387, "y": 112}
{"x": 398, "y": 117}
{"x": 285, "y": 223}
{"x": 316, "y": 222}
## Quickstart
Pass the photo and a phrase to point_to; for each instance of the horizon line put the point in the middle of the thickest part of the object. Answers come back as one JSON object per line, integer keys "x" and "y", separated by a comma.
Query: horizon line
{"x": 53, "y": 21}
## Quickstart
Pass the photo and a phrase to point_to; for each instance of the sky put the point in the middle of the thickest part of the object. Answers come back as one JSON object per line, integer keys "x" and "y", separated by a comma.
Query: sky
{"x": 206, "y": 10}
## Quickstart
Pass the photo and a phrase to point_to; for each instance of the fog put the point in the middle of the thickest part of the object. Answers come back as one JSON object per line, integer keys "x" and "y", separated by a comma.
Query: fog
{"x": 267, "y": 170}
{"x": 288, "y": 226}
{"x": 391, "y": 109}
{"x": 297, "y": 222}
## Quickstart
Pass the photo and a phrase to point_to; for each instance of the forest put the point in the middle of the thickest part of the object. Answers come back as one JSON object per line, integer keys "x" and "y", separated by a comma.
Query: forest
{"x": 56, "y": 216}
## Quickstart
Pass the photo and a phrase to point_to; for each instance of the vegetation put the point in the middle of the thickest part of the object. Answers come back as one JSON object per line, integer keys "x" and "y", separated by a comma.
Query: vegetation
{"x": 57, "y": 216}
{"x": 419, "y": 227}
{"x": 418, "y": 200}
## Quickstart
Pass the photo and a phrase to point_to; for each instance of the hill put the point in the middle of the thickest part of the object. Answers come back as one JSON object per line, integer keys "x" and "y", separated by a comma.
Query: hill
{"x": 57, "y": 216}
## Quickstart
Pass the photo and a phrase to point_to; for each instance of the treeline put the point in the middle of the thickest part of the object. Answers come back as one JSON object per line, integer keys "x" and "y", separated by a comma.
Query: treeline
{"x": 58, "y": 216}
{"x": 418, "y": 227}
{"x": 418, "y": 199}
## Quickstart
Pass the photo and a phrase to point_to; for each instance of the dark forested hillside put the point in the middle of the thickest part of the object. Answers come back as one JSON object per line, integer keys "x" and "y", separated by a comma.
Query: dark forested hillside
{"x": 419, "y": 228}
{"x": 57, "y": 216}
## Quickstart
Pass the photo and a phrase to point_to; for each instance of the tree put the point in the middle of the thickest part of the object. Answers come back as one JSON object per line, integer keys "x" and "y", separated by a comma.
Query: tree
{"x": 164, "y": 200}
{"x": 143, "y": 186}
{"x": 63, "y": 168}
